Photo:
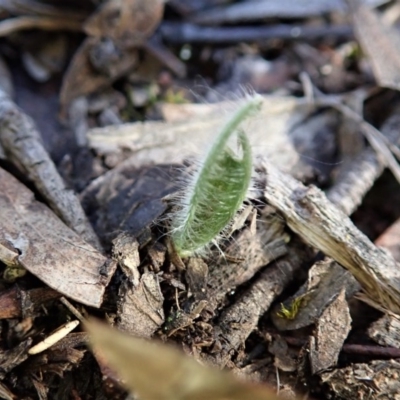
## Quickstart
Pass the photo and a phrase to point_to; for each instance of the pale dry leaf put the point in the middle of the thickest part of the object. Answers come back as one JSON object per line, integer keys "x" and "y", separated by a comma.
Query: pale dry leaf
{"x": 380, "y": 42}
{"x": 160, "y": 372}
{"x": 280, "y": 125}
{"x": 48, "y": 248}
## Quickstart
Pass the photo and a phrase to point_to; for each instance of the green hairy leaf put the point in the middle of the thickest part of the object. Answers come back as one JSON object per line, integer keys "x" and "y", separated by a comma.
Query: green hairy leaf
{"x": 217, "y": 189}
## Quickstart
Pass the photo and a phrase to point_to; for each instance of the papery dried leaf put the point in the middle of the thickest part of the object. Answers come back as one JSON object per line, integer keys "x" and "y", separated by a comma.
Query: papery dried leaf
{"x": 380, "y": 42}
{"x": 48, "y": 248}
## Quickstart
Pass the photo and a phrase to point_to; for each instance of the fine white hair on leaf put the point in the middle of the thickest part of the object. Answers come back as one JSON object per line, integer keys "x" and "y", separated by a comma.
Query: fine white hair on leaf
{"x": 216, "y": 189}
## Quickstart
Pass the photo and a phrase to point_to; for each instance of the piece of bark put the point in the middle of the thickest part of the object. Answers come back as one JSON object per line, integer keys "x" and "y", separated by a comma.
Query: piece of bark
{"x": 251, "y": 250}
{"x": 23, "y": 146}
{"x": 239, "y": 320}
{"x": 12, "y": 358}
{"x": 386, "y": 331}
{"x": 325, "y": 282}
{"x": 48, "y": 248}
{"x": 140, "y": 300}
{"x": 140, "y": 308}
{"x": 376, "y": 380}
{"x": 196, "y": 277}
{"x": 308, "y": 213}
{"x": 255, "y": 247}
{"x": 332, "y": 329}
{"x": 129, "y": 199}
{"x": 16, "y": 303}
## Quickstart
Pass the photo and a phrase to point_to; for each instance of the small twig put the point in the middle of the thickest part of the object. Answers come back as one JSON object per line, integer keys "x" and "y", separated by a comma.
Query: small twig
{"x": 311, "y": 215}
{"x": 72, "y": 309}
{"x": 180, "y": 33}
{"x": 12, "y": 25}
{"x": 360, "y": 349}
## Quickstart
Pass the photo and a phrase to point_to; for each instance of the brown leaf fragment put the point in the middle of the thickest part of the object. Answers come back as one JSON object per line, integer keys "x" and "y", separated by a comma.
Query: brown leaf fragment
{"x": 48, "y": 248}
{"x": 110, "y": 51}
{"x": 140, "y": 309}
{"x": 332, "y": 329}
{"x": 380, "y": 42}
{"x": 10, "y": 306}
{"x": 127, "y": 22}
{"x": 283, "y": 359}
{"x": 83, "y": 78}
{"x": 160, "y": 372}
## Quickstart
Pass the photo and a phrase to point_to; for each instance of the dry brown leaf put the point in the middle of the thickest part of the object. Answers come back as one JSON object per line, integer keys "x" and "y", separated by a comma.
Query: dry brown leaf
{"x": 48, "y": 248}
{"x": 128, "y": 22}
{"x": 160, "y": 372}
{"x": 380, "y": 42}
{"x": 110, "y": 50}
